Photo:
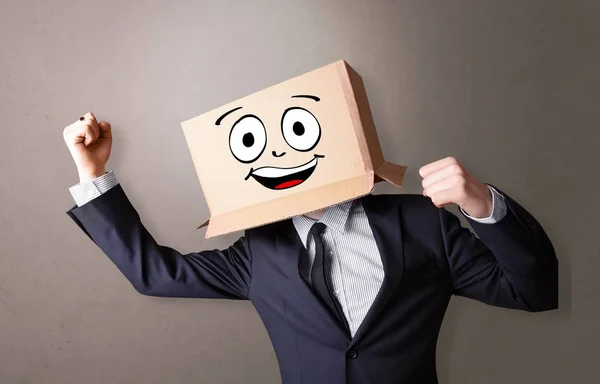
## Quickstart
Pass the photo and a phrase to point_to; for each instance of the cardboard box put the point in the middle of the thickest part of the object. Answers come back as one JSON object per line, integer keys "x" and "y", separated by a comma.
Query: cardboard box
{"x": 296, "y": 147}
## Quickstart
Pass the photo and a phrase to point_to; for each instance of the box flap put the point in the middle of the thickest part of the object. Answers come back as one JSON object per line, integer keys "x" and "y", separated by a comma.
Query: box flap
{"x": 203, "y": 224}
{"x": 392, "y": 173}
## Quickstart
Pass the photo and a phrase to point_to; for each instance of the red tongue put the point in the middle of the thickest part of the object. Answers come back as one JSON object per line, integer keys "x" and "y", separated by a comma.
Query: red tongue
{"x": 288, "y": 184}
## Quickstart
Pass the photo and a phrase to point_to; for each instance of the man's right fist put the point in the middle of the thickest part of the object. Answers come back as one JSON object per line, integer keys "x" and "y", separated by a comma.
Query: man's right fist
{"x": 89, "y": 143}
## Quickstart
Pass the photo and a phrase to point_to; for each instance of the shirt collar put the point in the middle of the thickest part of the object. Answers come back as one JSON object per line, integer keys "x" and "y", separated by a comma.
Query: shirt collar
{"x": 335, "y": 217}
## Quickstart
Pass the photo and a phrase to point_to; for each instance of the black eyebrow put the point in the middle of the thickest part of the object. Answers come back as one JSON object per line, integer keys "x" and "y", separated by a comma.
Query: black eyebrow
{"x": 218, "y": 122}
{"x": 315, "y": 98}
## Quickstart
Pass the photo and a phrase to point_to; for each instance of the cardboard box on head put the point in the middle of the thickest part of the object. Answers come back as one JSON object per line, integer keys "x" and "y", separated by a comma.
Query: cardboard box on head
{"x": 296, "y": 147}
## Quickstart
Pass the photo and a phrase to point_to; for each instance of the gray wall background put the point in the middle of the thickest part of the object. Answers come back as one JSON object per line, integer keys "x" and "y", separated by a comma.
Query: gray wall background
{"x": 508, "y": 87}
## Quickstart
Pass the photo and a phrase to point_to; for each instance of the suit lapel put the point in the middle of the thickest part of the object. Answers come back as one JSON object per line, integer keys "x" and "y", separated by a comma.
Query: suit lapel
{"x": 289, "y": 249}
{"x": 385, "y": 224}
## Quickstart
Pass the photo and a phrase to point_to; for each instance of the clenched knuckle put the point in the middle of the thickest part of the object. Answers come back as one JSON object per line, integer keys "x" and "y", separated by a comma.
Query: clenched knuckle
{"x": 457, "y": 169}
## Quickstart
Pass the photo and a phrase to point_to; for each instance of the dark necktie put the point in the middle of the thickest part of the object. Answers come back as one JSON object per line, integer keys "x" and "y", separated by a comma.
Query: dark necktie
{"x": 321, "y": 275}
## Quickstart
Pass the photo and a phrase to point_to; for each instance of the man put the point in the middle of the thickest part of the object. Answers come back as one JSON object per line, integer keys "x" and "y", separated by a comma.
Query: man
{"x": 353, "y": 293}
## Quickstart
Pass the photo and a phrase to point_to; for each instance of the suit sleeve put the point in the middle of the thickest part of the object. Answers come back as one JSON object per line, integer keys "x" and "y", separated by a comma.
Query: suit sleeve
{"x": 512, "y": 264}
{"x": 113, "y": 224}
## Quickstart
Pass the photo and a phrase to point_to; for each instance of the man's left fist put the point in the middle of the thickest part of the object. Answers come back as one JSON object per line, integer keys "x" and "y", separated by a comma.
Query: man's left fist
{"x": 447, "y": 182}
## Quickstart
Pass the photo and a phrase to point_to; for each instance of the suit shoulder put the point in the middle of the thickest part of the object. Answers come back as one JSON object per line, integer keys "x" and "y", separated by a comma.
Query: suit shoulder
{"x": 267, "y": 230}
{"x": 418, "y": 217}
{"x": 409, "y": 201}
{"x": 413, "y": 208}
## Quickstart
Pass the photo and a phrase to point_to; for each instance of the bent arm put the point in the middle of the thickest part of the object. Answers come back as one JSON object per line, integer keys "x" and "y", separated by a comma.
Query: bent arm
{"x": 114, "y": 225}
{"x": 512, "y": 264}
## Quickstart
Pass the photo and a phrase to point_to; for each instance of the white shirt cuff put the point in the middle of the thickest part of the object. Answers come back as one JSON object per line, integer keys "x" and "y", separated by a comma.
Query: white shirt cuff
{"x": 85, "y": 192}
{"x": 498, "y": 209}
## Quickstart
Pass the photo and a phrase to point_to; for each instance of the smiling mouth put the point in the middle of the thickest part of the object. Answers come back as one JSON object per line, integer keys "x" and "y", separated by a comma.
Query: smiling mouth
{"x": 284, "y": 178}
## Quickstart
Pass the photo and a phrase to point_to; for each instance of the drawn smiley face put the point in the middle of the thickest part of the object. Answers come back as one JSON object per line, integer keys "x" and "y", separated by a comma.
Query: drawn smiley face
{"x": 300, "y": 130}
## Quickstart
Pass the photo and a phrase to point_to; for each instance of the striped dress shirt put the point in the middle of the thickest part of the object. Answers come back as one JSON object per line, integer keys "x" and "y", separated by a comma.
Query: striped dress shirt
{"x": 356, "y": 268}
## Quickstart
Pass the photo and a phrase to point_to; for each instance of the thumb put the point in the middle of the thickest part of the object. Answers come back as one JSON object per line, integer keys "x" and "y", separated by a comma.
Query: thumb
{"x": 105, "y": 130}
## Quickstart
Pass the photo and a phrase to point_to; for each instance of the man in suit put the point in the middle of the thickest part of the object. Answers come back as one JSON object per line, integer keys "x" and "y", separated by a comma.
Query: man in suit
{"x": 353, "y": 293}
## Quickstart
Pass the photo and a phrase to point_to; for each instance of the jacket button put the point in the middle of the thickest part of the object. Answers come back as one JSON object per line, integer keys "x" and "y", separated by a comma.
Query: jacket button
{"x": 351, "y": 354}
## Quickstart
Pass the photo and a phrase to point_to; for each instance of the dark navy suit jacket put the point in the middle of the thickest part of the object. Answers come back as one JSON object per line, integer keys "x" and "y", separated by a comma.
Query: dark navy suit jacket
{"x": 427, "y": 255}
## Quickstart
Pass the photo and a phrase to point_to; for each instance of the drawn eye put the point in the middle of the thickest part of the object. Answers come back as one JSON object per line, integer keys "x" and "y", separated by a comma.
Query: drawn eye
{"x": 247, "y": 139}
{"x": 300, "y": 129}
